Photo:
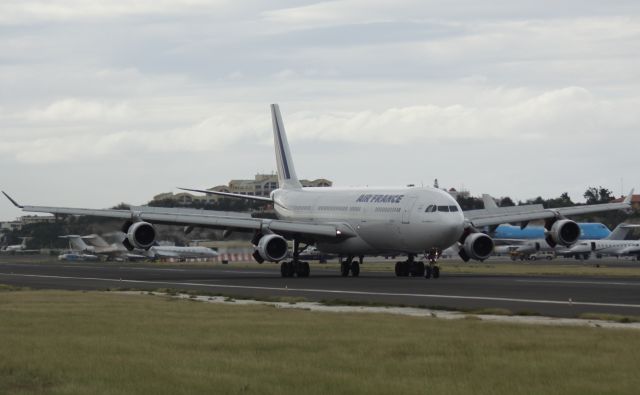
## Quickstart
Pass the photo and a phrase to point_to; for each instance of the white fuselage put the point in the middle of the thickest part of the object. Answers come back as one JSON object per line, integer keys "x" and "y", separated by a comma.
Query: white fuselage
{"x": 182, "y": 252}
{"x": 404, "y": 220}
{"x": 15, "y": 248}
{"x": 607, "y": 247}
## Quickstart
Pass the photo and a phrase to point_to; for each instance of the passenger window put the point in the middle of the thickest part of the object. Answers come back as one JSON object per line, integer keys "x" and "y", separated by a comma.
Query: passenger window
{"x": 453, "y": 209}
{"x": 444, "y": 209}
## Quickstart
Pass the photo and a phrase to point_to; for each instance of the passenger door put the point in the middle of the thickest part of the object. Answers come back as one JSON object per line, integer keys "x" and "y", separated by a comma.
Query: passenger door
{"x": 409, "y": 202}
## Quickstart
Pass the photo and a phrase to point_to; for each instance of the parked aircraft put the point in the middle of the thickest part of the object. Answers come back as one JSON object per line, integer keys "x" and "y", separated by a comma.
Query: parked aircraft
{"x": 17, "y": 247}
{"x": 349, "y": 222}
{"x": 588, "y": 230}
{"x": 117, "y": 250}
{"x": 527, "y": 247}
{"x": 610, "y": 246}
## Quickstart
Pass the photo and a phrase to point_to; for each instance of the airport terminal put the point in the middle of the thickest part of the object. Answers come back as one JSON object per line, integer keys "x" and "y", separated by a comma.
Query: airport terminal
{"x": 319, "y": 197}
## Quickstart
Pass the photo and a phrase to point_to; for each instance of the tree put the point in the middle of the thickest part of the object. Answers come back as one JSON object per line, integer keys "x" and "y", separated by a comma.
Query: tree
{"x": 470, "y": 203}
{"x": 563, "y": 201}
{"x": 506, "y": 202}
{"x": 598, "y": 195}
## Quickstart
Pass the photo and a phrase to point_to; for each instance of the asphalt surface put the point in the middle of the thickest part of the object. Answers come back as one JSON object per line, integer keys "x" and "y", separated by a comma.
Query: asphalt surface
{"x": 562, "y": 296}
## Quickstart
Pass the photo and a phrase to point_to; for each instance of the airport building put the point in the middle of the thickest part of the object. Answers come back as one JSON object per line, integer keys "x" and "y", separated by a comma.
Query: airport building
{"x": 260, "y": 185}
{"x": 635, "y": 202}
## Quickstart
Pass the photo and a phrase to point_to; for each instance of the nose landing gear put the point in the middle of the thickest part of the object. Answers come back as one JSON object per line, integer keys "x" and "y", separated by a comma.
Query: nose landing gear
{"x": 433, "y": 269}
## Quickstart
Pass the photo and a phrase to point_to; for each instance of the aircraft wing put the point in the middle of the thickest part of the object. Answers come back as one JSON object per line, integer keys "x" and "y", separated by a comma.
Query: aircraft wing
{"x": 524, "y": 214}
{"x": 205, "y": 219}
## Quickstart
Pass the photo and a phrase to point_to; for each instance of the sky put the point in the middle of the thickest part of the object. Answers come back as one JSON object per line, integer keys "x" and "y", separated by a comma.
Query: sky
{"x": 109, "y": 102}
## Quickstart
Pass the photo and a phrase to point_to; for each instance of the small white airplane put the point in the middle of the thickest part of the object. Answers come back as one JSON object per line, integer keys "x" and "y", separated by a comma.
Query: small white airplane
{"x": 22, "y": 247}
{"x": 350, "y": 222}
{"x": 616, "y": 247}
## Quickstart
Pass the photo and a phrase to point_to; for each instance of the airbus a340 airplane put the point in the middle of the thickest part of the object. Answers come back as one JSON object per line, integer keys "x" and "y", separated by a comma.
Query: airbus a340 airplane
{"x": 349, "y": 222}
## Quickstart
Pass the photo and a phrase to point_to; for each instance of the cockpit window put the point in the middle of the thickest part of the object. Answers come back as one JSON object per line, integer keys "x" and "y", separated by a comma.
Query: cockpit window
{"x": 443, "y": 209}
{"x": 430, "y": 208}
{"x": 453, "y": 209}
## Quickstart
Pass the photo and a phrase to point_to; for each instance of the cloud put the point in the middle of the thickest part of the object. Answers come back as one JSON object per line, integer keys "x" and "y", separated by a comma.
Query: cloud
{"x": 14, "y": 12}
{"x": 560, "y": 116}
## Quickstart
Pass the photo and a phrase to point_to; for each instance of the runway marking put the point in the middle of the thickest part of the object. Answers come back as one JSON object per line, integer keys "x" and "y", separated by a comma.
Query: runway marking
{"x": 154, "y": 269}
{"x": 333, "y": 291}
{"x": 579, "y": 282}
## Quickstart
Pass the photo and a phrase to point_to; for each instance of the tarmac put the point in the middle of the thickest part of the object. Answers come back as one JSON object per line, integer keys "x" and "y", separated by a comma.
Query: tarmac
{"x": 555, "y": 296}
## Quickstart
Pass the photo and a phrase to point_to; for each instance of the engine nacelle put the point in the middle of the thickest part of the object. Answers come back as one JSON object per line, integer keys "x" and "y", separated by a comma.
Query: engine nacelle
{"x": 564, "y": 232}
{"x": 477, "y": 246}
{"x": 272, "y": 248}
{"x": 140, "y": 235}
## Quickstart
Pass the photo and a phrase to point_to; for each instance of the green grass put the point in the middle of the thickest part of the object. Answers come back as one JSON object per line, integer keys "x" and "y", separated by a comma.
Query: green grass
{"x": 55, "y": 342}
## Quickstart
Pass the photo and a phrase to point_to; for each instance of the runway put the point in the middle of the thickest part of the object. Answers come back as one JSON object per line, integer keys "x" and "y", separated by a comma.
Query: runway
{"x": 563, "y": 296}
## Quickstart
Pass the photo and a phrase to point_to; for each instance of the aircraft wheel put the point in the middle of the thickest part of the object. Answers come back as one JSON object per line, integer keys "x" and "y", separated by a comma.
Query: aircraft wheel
{"x": 417, "y": 269}
{"x": 436, "y": 271}
{"x": 427, "y": 272}
{"x": 302, "y": 269}
{"x": 307, "y": 269}
{"x": 398, "y": 269}
{"x": 344, "y": 269}
{"x": 286, "y": 269}
{"x": 355, "y": 269}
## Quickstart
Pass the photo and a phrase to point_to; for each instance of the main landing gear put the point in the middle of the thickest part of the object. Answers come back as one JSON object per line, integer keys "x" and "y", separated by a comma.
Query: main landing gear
{"x": 414, "y": 268}
{"x": 349, "y": 265}
{"x": 296, "y": 267}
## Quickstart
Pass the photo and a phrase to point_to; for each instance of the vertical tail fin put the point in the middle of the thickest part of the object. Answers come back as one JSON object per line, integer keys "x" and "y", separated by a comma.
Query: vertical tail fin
{"x": 76, "y": 243}
{"x": 286, "y": 172}
{"x": 621, "y": 231}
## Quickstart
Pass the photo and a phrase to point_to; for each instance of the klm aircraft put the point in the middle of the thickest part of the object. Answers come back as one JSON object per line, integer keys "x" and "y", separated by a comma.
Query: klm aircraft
{"x": 588, "y": 230}
{"x": 353, "y": 222}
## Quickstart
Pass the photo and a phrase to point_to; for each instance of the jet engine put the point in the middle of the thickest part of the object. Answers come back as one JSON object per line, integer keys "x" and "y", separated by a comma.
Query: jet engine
{"x": 476, "y": 246}
{"x": 272, "y": 248}
{"x": 139, "y": 235}
{"x": 564, "y": 232}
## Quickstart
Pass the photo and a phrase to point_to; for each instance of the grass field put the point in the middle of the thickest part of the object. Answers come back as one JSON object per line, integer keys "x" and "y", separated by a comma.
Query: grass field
{"x": 55, "y": 342}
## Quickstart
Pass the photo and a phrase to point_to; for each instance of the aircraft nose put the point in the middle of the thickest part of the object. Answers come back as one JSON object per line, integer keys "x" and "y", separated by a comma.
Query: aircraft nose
{"x": 452, "y": 229}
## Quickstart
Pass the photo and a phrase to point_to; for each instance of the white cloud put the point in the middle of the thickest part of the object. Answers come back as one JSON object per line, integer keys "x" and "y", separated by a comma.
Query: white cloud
{"x": 25, "y": 11}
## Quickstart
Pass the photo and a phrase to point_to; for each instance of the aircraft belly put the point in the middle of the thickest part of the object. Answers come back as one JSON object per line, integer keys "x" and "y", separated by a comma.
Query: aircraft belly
{"x": 373, "y": 238}
{"x": 350, "y": 246}
{"x": 381, "y": 235}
